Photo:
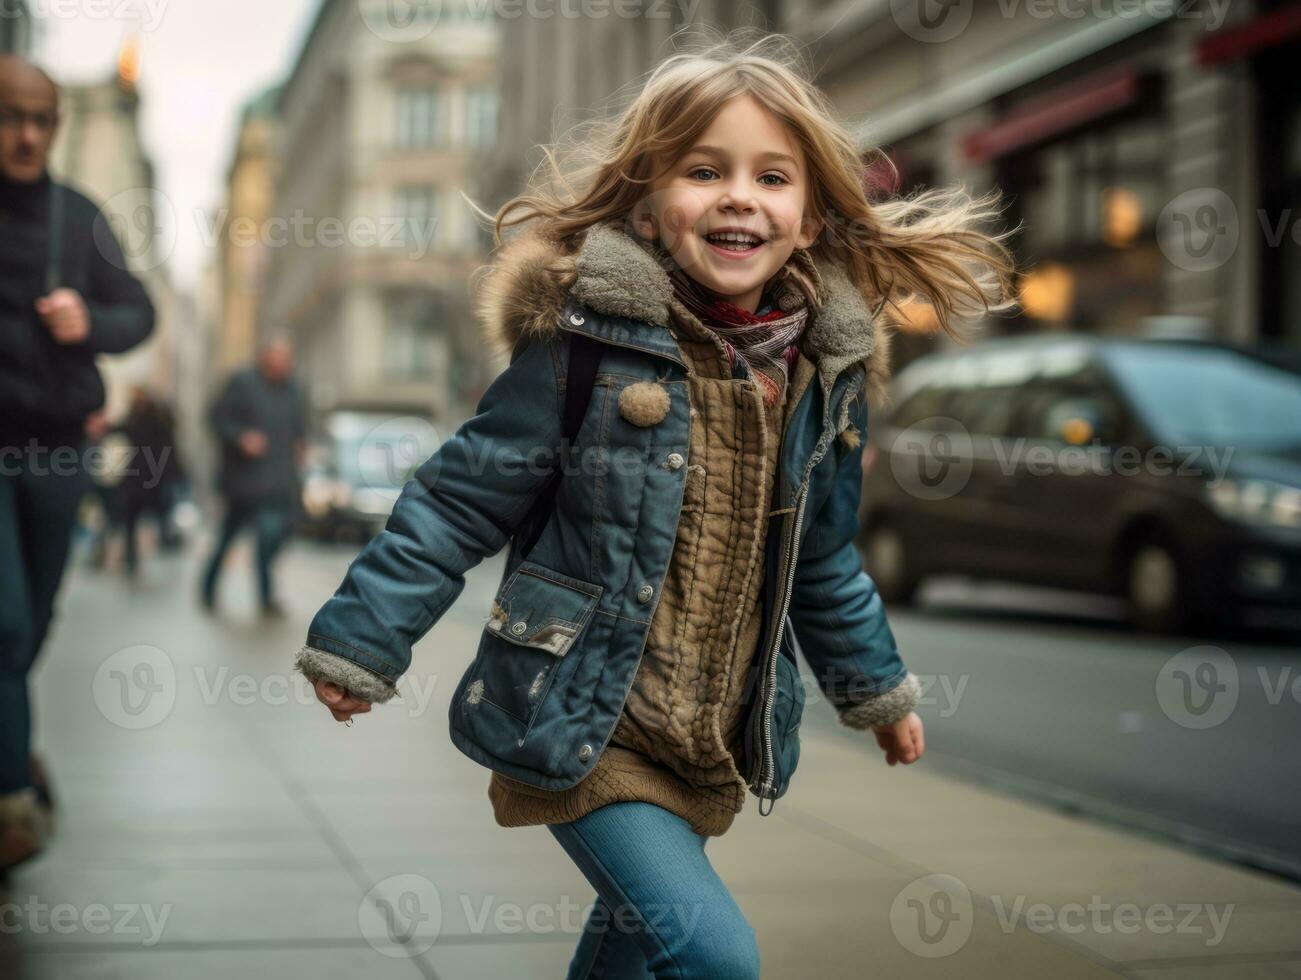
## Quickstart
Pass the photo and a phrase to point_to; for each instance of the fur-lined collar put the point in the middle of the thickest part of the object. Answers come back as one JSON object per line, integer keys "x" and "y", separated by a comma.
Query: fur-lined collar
{"x": 615, "y": 274}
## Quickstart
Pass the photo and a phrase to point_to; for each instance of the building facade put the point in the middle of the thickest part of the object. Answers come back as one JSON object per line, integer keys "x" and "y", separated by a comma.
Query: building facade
{"x": 385, "y": 123}
{"x": 98, "y": 150}
{"x": 1143, "y": 150}
{"x": 15, "y": 27}
{"x": 243, "y": 254}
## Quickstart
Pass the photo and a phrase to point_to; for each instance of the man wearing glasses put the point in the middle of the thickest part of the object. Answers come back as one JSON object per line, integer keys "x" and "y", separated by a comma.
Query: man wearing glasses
{"x": 65, "y": 297}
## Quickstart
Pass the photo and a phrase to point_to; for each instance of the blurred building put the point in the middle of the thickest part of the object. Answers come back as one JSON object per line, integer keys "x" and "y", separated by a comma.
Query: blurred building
{"x": 1146, "y": 151}
{"x": 386, "y": 118}
{"x": 557, "y": 71}
{"x": 98, "y": 151}
{"x": 15, "y": 27}
{"x": 243, "y": 254}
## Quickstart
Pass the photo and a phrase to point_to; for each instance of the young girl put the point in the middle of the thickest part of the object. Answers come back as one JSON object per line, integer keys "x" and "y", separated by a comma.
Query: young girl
{"x": 637, "y": 673}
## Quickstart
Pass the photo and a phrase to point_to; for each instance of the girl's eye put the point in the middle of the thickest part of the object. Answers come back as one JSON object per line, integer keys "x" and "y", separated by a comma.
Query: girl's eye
{"x": 778, "y": 178}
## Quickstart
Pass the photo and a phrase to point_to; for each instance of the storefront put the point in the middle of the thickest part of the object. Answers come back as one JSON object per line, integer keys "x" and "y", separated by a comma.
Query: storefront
{"x": 1083, "y": 165}
{"x": 1271, "y": 45}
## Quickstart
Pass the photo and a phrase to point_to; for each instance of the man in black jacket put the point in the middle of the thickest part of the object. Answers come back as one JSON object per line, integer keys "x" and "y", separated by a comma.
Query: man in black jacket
{"x": 261, "y": 421}
{"x": 65, "y": 296}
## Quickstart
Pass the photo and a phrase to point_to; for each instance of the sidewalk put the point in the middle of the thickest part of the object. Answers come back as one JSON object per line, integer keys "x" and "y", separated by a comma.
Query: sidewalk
{"x": 216, "y": 824}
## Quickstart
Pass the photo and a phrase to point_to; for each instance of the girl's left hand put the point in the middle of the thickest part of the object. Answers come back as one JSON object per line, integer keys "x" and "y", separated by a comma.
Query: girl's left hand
{"x": 902, "y": 741}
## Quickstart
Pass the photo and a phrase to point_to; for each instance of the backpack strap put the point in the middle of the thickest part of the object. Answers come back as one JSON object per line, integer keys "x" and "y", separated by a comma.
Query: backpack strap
{"x": 584, "y": 360}
{"x": 54, "y": 251}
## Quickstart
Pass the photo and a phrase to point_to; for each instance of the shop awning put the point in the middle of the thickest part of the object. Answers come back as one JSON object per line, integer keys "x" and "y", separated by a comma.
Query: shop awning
{"x": 1263, "y": 32}
{"x": 1054, "y": 112}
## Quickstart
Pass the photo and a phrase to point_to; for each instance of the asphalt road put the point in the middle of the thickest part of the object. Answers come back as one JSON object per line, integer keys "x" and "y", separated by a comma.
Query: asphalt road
{"x": 1050, "y": 695}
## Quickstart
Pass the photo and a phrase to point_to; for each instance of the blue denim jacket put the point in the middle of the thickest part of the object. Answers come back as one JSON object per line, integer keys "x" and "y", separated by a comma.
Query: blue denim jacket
{"x": 566, "y": 631}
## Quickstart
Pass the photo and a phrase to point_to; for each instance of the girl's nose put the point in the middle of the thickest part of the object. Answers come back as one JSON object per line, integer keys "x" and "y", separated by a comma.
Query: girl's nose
{"x": 739, "y": 196}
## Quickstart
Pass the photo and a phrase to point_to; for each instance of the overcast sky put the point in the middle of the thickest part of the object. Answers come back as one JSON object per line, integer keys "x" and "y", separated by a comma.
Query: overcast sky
{"x": 201, "y": 59}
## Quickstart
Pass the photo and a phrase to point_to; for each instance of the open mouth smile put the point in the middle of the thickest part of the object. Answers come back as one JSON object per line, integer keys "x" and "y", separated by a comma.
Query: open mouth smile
{"x": 734, "y": 244}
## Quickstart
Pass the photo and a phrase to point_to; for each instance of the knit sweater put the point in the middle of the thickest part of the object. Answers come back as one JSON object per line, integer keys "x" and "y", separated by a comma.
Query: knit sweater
{"x": 678, "y": 742}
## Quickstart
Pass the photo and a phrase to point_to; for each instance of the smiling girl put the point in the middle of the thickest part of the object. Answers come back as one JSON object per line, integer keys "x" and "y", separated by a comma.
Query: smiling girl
{"x": 637, "y": 673}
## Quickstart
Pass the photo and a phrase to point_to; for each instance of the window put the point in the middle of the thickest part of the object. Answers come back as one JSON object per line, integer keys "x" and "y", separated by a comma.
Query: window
{"x": 416, "y": 210}
{"x": 412, "y": 337}
{"x": 421, "y": 117}
{"x": 481, "y": 117}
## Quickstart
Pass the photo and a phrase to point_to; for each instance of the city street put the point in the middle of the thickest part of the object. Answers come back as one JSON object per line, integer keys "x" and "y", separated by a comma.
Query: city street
{"x": 1050, "y": 694}
{"x": 215, "y": 822}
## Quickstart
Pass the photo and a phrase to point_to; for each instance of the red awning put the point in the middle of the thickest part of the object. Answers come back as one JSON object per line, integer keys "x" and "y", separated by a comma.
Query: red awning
{"x": 1263, "y": 32}
{"x": 1054, "y": 112}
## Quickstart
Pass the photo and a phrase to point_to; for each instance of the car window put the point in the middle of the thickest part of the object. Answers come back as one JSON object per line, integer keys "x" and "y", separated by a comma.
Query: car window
{"x": 1207, "y": 396}
{"x": 920, "y": 406}
{"x": 1050, "y": 408}
{"x": 984, "y": 410}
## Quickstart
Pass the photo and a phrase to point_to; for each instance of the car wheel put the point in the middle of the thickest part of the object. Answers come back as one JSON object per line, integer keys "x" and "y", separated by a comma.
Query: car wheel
{"x": 1155, "y": 588}
{"x": 886, "y": 557}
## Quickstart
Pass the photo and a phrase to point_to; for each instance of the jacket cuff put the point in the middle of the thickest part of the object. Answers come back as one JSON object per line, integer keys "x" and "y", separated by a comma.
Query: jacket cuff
{"x": 883, "y": 709}
{"x": 317, "y": 665}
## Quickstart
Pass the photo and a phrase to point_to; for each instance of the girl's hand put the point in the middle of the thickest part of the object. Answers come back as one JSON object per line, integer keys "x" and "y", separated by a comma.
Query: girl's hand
{"x": 341, "y": 704}
{"x": 903, "y": 741}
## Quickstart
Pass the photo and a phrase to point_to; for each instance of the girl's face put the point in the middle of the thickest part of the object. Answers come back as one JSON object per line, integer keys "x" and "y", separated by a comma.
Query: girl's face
{"x": 744, "y": 174}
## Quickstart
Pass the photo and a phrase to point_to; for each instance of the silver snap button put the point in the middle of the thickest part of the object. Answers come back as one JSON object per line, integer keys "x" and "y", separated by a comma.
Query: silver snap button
{"x": 576, "y": 319}
{"x": 519, "y": 628}
{"x": 675, "y": 461}
{"x": 585, "y": 752}
{"x": 644, "y": 593}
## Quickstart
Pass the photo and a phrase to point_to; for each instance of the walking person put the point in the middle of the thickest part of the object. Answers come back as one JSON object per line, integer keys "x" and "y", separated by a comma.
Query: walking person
{"x": 637, "y": 674}
{"x": 154, "y": 469}
{"x": 261, "y": 422}
{"x": 65, "y": 297}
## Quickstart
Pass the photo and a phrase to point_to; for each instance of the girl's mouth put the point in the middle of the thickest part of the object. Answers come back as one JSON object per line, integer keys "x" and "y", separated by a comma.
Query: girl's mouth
{"x": 734, "y": 245}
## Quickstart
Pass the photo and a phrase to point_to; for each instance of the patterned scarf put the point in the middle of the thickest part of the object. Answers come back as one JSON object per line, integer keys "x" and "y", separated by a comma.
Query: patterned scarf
{"x": 766, "y": 341}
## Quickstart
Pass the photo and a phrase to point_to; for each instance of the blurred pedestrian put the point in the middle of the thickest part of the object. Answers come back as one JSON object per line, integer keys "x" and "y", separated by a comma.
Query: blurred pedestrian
{"x": 65, "y": 297}
{"x": 154, "y": 469}
{"x": 261, "y": 422}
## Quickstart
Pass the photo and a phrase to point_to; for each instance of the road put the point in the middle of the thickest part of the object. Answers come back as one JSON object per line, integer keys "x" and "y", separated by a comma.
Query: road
{"x": 1050, "y": 695}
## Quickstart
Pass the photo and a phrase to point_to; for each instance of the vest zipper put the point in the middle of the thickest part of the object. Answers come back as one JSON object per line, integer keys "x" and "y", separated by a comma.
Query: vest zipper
{"x": 767, "y": 768}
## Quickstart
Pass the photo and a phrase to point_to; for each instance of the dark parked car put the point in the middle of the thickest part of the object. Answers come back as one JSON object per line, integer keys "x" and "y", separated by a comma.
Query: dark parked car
{"x": 1164, "y": 471}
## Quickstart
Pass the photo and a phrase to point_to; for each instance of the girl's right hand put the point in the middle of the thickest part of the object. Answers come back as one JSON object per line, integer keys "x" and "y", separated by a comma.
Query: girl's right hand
{"x": 341, "y": 704}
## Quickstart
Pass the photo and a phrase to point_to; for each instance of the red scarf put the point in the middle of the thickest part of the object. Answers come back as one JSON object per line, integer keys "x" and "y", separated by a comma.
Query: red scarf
{"x": 767, "y": 342}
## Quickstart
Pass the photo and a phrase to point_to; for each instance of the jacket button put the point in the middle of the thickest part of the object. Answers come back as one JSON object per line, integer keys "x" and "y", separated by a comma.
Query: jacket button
{"x": 585, "y": 752}
{"x": 519, "y": 628}
{"x": 675, "y": 461}
{"x": 644, "y": 593}
{"x": 576, "y": 319}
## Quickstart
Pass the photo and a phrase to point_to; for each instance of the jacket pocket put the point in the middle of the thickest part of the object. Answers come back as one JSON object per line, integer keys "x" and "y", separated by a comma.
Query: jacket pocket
{"x": 537, "y": 617}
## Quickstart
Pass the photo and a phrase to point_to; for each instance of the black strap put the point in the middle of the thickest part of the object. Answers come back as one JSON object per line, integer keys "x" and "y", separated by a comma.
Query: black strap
{"x": 584, "y": 360}
{"x": 54, "y": 253}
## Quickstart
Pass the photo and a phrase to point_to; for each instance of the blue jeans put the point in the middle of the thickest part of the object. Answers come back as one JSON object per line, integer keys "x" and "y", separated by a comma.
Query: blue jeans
{"x": 661, "y": 909}
{"x": 38, "y": 509}
{"x": 273, "y": 521}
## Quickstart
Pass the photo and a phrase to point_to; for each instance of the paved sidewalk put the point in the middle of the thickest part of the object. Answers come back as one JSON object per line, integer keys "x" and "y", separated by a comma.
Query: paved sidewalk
{"x": 216, "y": 824}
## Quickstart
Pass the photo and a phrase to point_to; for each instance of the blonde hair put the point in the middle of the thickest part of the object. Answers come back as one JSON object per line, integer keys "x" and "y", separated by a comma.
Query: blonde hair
{"x": 927, "y": 247}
